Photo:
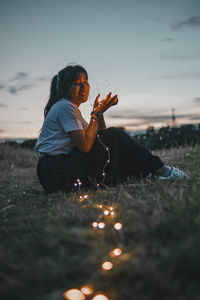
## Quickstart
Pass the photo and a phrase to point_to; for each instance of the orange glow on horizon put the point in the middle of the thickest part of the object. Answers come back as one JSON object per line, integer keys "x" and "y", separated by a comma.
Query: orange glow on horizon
{"x": 33, "y": 133}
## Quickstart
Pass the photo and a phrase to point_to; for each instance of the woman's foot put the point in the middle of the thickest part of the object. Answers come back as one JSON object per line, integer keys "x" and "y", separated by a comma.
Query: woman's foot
{"x": 163, "y": 171}
{"x": 168, "y": 173}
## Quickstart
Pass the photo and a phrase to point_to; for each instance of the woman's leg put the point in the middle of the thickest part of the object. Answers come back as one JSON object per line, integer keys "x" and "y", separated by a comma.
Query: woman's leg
{"x": 128, "y": 158}
{"x": 59, "y": 172}
{"x": 47, "y": 175}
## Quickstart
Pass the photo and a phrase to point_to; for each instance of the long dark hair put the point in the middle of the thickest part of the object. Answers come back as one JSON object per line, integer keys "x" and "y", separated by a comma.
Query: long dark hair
{"x": 61, "y": 84}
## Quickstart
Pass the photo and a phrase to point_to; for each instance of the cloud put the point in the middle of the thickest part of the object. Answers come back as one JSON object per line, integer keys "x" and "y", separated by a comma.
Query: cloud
{"x": 25, "y": 86}
{"x": 115, "y": 116}
{"x": 19, "y": 76}
{"x": 180, "y": 55}
{"x": 195, "y": 119}
{"x": 2, "y": 86}
{"x": 177, "y": 76}
{"x": 163, "y": 120}
{"x": 22, "y": 108}
{"x": 141, "y": 119}
{"x": 168, "y": 40}
{"x": 147, "y": 117}
{"x": 133, "y": 124}
{"x": 24, "y": 122}
{"x": 14, "y": 89}
{"x": 20, "y": 82}
{"x": 3, "y": 105}
{"x": 43, "y": 78}
{"x": 160, "y": 117}
{"x": 191, "y": 22}
{"x": 197, "y": 100}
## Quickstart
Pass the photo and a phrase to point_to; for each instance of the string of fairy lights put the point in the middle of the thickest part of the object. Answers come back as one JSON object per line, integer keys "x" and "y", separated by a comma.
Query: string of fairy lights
{"x": 106, "y": 220}
{"x": 78, "y": 182}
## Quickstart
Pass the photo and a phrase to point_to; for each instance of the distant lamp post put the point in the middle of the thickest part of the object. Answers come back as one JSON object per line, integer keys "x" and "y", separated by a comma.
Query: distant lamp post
{"x": 173, "y": 118}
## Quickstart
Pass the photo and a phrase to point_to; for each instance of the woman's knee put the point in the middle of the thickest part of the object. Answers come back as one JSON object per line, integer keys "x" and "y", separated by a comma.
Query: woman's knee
{"x": 111, "y": 134}
{"x": 113, "y": 130}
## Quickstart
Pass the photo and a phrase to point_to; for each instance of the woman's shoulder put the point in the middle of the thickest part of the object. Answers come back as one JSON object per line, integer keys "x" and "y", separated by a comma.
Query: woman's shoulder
{"x": 62, "y": 105}
{"x": 65, "y": 104}
{"x": 64, "y": 109}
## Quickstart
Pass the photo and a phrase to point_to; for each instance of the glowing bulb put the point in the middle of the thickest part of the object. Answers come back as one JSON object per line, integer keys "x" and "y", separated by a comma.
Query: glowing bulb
{"x": 100, "y": 297}
{"x": 118, "y": 226}
{"x": 85, "y": 196}
{"x": 79, "y": 183}
{"x": 97, "y": 184}
{"x": 104, "y": 174}
{"x": 75, "y": 184}
{"x": 73, "y": 294}
{"x": 106, "y": 212}
{"x": 78, "y": 180}
{"x": 108, "y": 161}
{"x": 107, "y": 148}
{"x": 101, "y": 225}
{"x": 116, "y": 252}
{"x": 112, "y": 213}
{"x": 81, "y": 198}
{"x": 111, "y": 208}
{"x": 107, "y": 265}
{"x": 95, "y": 224}
{"x": 86, "y": 290}
{"x": 99, "y": 205}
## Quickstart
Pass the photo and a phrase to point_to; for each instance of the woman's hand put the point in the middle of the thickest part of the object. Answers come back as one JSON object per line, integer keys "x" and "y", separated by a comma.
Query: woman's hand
{"x": 103, "y": 105}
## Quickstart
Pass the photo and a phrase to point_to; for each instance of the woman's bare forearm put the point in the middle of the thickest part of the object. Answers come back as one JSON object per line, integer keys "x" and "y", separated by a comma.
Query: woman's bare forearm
{"x": 93, "y": 126}
{"x": 84, "y": 139}
{"x": 90, "y": 134}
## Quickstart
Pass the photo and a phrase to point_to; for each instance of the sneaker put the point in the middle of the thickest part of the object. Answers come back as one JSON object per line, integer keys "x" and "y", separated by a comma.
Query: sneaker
{"x": 175, "y": 173}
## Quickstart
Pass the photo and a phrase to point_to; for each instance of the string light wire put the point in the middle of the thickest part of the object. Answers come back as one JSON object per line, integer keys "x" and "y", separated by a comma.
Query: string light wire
{"x": 107, "y": 213}
{"x": 106, "y": 163}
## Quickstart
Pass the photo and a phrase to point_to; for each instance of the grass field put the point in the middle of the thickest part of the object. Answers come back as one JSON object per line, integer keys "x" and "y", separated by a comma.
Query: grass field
{"x": 48, "y": 244}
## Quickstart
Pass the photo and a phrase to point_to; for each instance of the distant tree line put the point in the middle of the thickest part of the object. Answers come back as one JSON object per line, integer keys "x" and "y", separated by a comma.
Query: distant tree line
{"x": 168, "y": 137}
{"x": 165, "y": 137}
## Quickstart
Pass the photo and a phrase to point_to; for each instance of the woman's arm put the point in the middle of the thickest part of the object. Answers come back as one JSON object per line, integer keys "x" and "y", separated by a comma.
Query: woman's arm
{"x": 84, "y": 139}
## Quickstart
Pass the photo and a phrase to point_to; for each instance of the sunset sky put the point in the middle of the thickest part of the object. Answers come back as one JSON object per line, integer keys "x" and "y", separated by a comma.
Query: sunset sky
{"x": 146, "y": 51}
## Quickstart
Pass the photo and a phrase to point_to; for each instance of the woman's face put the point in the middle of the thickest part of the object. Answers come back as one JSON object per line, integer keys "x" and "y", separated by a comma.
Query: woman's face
{"x": 79, "y": 90}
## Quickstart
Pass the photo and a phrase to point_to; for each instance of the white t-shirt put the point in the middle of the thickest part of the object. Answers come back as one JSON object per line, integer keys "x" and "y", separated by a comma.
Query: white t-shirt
{"x": 63, "y": 117}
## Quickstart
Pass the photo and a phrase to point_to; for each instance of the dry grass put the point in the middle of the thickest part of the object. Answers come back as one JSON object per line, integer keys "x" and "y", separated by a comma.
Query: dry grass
{"x": 48, "y": 244}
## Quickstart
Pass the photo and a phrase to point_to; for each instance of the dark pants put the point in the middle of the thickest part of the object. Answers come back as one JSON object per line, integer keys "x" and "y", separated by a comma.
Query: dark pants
{"x": 127, "y": 158}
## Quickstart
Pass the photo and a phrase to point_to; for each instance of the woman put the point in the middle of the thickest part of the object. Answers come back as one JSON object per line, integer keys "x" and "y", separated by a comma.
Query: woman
{"x": 69, "y": 148}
